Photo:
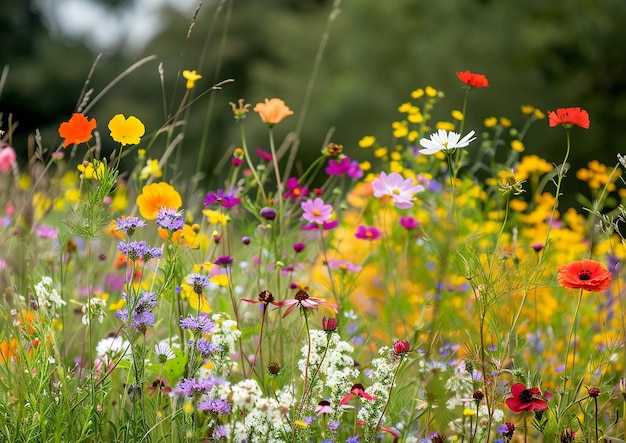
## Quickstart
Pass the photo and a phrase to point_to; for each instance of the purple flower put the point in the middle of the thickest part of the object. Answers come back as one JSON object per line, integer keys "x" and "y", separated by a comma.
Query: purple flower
{"x": 409, "y": 223}
{"x": 136, "y": 250}
{"x": 344, "y": 167}
{"x": 129, "y": 224}
{"x": 354, "y": 439}
{"x": 226, "y": 200}
{"x": 324, "y": 226}
{"x": 268, "y": 213}
{"x": 142, "y": 312}
{"x": 299, "y": 247}
{"x": 221, "y": 431}
{"x": 198, "y": 325}
{"x": 367, "y": 233}
{"x": 205, "y": 347}
{"x": 217, "y": 405}
{"x": 194, "y": 388}
{"x": 224, "y": 260}
{"x": 316, "y": 211}
{"x": 170, "y": 219}
{"x": 198, "y": 282}
{"x": 333, "y": 425}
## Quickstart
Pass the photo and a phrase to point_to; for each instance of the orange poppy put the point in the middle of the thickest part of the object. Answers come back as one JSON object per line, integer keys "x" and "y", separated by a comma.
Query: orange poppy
{"x": 473, "y": 80}
{"x": 155, "y": 196}
{"x": 586, "y": 274}
{"x": 273, "y": 111}
{"x": 569, "y": 117}
{"x": 77, "y": 129}
{"x": 8, "y": 350}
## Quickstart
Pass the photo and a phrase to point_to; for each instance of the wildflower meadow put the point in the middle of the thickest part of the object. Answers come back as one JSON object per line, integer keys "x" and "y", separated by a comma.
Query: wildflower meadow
{"x": 425, "y": 285}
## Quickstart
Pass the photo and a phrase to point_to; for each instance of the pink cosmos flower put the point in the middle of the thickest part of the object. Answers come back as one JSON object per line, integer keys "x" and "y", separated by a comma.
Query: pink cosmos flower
{"x": 401, "y": 190}
{"x": 303, "y": 300}
{"x": 367, "y": 233}
{"x": 7, "y": 158}
{"x": 333, "y": 263}
{"x": 316, "y": 211}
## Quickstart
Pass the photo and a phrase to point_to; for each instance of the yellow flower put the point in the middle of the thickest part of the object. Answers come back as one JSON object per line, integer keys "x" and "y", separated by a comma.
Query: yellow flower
{"x": 527, "y": 109}
{"x": 415, "y": 117}
{"x": 400, "y": 129}
{"x": 380, "y": 152}
{"x": 151, "y": 169}
{"x": 468, "y": 412}
{"x": 240, "y": 109}
{"x": 365, "y": 165}
{"x": 505, "y": 122}
{"x": 490, "y": 122}
{"x": 127, "y": 131}
{"x": 448, "y": 126}
{"x": 417, "y": 93}
{"x": 430, "y": 91}
{"x": 457, "y": 115}
{"x": 517, "y": 145}
{"x": 272, "y": 111}
{"x": 192, "y": 77}
{"x": 367, "y": 141}
{"x": 155, "y": 196}
{"x": 539, "y": 115}
{"x": 215, "y": 217}
{"x": 89, "y": 171}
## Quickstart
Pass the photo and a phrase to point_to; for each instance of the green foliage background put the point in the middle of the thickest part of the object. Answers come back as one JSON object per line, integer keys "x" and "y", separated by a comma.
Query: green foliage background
{"x": 548, "y": 54}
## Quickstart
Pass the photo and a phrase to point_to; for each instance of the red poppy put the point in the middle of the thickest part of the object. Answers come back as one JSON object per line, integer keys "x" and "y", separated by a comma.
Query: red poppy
{"x": 77, "y": 129}
{"x": 586, "y": 274}
{"x": 473, "y": 80}
{"x": 525, "y": 399}
{"x": 569, "y": 117}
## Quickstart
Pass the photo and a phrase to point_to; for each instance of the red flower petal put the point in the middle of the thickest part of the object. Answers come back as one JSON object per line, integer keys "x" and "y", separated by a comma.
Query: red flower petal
{"x": 585, "y": 274}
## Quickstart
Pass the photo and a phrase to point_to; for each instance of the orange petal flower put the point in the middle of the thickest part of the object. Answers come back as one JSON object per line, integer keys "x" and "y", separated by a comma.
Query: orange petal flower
{"x": 473, "y": 80}
{"x": 569, "y": 117}
{"x": 586, "y": 274}
{"x": 273, "y": 111}
{"x": 156, "y": 196}
{"x": 77, "y": 130}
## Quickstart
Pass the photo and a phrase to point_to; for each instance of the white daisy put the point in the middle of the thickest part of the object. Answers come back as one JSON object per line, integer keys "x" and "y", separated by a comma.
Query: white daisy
{"x": 443, "y": 140}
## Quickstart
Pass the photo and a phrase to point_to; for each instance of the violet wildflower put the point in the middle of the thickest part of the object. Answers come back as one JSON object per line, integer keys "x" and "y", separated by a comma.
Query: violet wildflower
{"x": 139, "y": 250}
{"x": 198, "y": 282}
{"x": 129, "y": 224}
{"x": 217, "y": 405}
{"x": 197, "y": 325}
{"x": 226, "y": 200}
{"x": 245, "y": 240}
{"x": 170, "y": 219}
{"x": 195, "y": 388}
{"x": 224, "y": 260}
{"x": 299, "y": 247}
{"x": 333, "y": 425}
{"x": 142, "y": 315}
{"x": 205, "y": 347}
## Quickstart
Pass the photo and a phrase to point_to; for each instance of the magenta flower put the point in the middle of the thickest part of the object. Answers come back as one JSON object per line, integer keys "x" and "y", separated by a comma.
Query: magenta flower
{"x": 409, "y": 223}
{"x": 401, "y": 190}
{"x": 225, "y": 199}
{"x": 324, "y": 226}
{"x": 264, "y": 154}
{"x": 357, "y": 391}
{"x": 367, "y": 233}
{"x": 316, "y": 211}
{"x": 303, "y": 300}
{"x": 294, "y": 191}
{"x": 344, "y": 167}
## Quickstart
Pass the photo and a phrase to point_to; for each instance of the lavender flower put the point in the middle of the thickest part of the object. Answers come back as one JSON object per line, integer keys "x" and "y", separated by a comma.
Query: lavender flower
{"x": 198, "y": 282}
{"x": 194, "y": 388}
{"x": 226, "y": 200}
{"x": 170, "y": 219}
{"x": 205, "y": 347}
{"x": 129, "y": 224}
{"x": 198, "y": 325}
{"x": 217, "y": 405}
{"x": 136, "y": 250}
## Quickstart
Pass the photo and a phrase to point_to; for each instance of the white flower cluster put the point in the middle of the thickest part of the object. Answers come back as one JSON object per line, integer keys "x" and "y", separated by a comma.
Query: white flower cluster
{"x": 225, "y": 335}
{"x": 460, "y": 387}
{"x": 93, "y": 309}
{"x": 460, "y": 426}
{"x": 337, "y": 369}
{"x": 262, "y": 418}
{"x": 48, "y": 299}
{"x": 109, "y": 349}
{"x": 383, "y": 378}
